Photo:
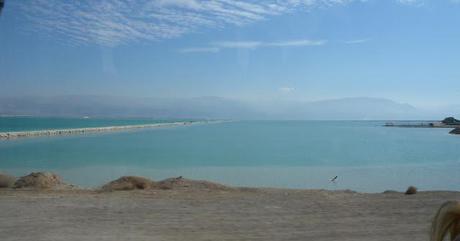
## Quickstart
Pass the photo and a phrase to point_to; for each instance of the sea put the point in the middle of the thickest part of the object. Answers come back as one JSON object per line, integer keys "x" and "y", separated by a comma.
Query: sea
{"x": 365, "y": 156}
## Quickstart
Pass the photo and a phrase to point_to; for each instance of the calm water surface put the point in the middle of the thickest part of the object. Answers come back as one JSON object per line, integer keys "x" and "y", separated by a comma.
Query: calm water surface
{"x": 294, "y": 154}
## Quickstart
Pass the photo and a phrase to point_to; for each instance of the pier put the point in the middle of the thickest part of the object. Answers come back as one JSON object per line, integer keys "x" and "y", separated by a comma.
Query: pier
{"x": 75, "y": 131}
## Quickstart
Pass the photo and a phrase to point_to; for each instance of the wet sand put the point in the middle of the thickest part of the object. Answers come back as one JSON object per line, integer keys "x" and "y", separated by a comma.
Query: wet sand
{"x": 234, "y": 214}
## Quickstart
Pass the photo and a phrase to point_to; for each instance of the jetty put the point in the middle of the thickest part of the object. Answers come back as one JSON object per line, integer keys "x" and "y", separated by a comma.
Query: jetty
{"x": 449, "y": 122}
{"x": 419, "y": 125}
{"x": 75, "y": 131}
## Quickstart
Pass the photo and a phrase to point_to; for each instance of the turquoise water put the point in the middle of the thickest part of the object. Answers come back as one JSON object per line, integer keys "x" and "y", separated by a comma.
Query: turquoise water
{"x": 295, "y": 154}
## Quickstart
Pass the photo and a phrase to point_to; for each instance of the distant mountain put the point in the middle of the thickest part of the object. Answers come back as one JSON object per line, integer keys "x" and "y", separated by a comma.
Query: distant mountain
{"x": 107, "y": 106}
{"x": 359, "y": 109}
{"x": 208, "y": 107}
{"x": 342, "y": 109}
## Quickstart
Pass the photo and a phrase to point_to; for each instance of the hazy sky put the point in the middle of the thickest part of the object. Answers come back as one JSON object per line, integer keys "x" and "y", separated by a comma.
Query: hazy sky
{"x": 406, "y": 50}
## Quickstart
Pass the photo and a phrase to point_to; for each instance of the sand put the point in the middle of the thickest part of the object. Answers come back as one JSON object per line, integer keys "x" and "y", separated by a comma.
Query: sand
{"x": 216, "y": 214}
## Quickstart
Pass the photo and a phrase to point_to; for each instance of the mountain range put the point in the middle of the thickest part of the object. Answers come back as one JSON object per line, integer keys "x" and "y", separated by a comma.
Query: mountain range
{"x": 362, "y": 108}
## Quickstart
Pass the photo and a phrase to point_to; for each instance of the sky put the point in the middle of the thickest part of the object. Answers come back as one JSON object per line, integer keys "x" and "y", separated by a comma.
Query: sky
{"x": 404, "y": 50}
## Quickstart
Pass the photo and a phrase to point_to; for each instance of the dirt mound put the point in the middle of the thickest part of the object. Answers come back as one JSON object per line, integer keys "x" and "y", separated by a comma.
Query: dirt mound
{"x": 41, "y": 180}
{"x": 6, "y": 181}
{"x": 129, "y": 183}
{"x": 182, "y": 183}
{"x": 411, "y": 190}
{"x": 451, "y": 121}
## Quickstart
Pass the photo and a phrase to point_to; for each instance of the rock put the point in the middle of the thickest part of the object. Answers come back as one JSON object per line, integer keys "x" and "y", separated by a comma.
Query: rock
{"x": 451, "y": 121}
{"x": 129, "y": 183}
{"x": 390, "y": 192}
{"x": 40, "y": 180}
{"x": 411, "y": 190}
{"x": 455, "y": 131}
{"x": 6, "y": 181}
{"x": 182, "y": 183}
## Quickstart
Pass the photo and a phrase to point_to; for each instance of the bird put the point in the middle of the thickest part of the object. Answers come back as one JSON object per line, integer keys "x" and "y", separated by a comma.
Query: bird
{"x": 334, "y": 179}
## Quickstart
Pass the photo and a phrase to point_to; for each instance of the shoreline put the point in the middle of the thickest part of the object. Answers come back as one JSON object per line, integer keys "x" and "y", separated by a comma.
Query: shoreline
{"x": 85, "y": 130}
{"x": 46, "y": 181}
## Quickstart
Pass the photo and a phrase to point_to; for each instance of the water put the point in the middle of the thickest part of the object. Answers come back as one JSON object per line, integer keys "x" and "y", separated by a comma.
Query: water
{"x": 294, "y": 154}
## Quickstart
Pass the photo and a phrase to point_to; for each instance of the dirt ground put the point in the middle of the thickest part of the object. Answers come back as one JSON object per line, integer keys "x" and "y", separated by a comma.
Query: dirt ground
{"x": 239, "y": 214}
